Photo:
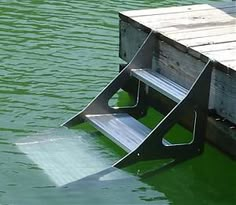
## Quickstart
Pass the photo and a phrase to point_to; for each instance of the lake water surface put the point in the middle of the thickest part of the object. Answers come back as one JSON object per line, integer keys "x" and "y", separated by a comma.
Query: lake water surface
{"x": 55, "y": 56}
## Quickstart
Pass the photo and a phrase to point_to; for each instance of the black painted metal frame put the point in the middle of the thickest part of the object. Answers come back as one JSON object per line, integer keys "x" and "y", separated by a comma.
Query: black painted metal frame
{"x": 152, "y": 147}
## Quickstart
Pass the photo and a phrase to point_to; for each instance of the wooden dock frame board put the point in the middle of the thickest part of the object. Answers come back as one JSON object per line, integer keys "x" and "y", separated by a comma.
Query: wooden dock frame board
{"x": 187, "y": 37}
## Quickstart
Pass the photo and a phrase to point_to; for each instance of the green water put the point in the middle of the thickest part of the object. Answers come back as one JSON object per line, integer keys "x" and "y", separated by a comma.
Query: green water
{"x": 55, "y": 56}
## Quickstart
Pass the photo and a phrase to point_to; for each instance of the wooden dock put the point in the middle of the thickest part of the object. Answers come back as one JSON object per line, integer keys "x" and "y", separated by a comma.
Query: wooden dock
{"x": 188, "y": 36}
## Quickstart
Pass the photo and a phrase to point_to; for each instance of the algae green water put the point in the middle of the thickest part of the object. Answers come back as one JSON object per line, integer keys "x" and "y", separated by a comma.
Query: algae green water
{"x": 55, "y": 56}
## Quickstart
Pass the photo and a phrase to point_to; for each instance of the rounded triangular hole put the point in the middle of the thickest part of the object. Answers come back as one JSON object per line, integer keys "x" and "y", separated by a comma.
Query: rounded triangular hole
{"x": 183, "y": 131}
{"x": 122, "y": 99}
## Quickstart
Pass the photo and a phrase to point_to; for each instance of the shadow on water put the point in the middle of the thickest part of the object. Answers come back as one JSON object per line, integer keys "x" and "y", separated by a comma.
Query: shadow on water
{"x": 116, "y": 187}
{"x": 196, "y": 181}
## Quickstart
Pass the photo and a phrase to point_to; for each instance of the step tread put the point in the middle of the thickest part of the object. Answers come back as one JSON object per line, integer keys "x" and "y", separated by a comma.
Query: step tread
{"x": 160, "y": 83}
{"x": 121, "y": 128}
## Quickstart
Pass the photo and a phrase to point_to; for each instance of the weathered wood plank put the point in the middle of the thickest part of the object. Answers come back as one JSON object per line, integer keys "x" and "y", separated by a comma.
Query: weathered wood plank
{"x": 176, "y": 9}
{"x": 173, "y": 64}
{"x": 128, "y": 49}
{"x": 173, "y": 30}
{"x": 230, "y": 63}
{"x": 216, "y": 47}
{"x": 185, "y": 19}
{"x": 215, "y": 31}
{"x": 223, "y": 94}
{"x": 209, "y": 40}
{"x": 222, "y": 136}
{"x": 222, "y": 55}
{"x": 197, "y": 27}
{"x": 174, "y": 25}
{"x": 198, "y": 51}
{"x": 189, "y": 14}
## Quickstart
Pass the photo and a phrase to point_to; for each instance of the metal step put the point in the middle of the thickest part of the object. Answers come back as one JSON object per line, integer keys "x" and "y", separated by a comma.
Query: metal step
{"x": 160, "y": 83}
{"x": 122, "y": 129}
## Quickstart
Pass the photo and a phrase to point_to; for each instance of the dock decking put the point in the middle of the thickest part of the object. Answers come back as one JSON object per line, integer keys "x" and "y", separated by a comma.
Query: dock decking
{"x": 187, "y": 37}
{"x": 203, "y": 30}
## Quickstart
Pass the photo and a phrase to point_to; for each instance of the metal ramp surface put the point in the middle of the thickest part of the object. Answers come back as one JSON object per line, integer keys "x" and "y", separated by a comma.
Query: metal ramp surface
{"x": 121, "y": 125}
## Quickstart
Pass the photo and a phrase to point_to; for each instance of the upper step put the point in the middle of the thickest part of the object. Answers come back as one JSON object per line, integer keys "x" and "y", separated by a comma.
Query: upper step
{"x": 160, "y": 83}
{"x": 122, "y": 129}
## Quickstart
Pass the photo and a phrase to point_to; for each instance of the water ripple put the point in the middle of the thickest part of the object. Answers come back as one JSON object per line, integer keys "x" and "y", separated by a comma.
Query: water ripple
{"x": 55, "y": 57}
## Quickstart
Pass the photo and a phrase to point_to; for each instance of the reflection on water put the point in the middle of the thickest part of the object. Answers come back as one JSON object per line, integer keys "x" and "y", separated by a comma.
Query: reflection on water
{"x": 76, "y": 164}
{"x": 66, "y": 155}
{"x": 55, "y": 56}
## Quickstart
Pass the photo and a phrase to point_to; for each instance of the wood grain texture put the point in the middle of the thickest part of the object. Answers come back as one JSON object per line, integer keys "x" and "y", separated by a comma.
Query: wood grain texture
{"x": 182, "y": 63}
{"x": 177, "y": 9}
{"x": 190, "y": 28}
{"x": 187, "y": 37}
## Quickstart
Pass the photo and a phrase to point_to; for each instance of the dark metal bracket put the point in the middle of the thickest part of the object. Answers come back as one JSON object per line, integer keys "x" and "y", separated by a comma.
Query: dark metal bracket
{"x": 153, "y": 147}
{"x": 142, "y": 59}
{"x": 197, "y": 101}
